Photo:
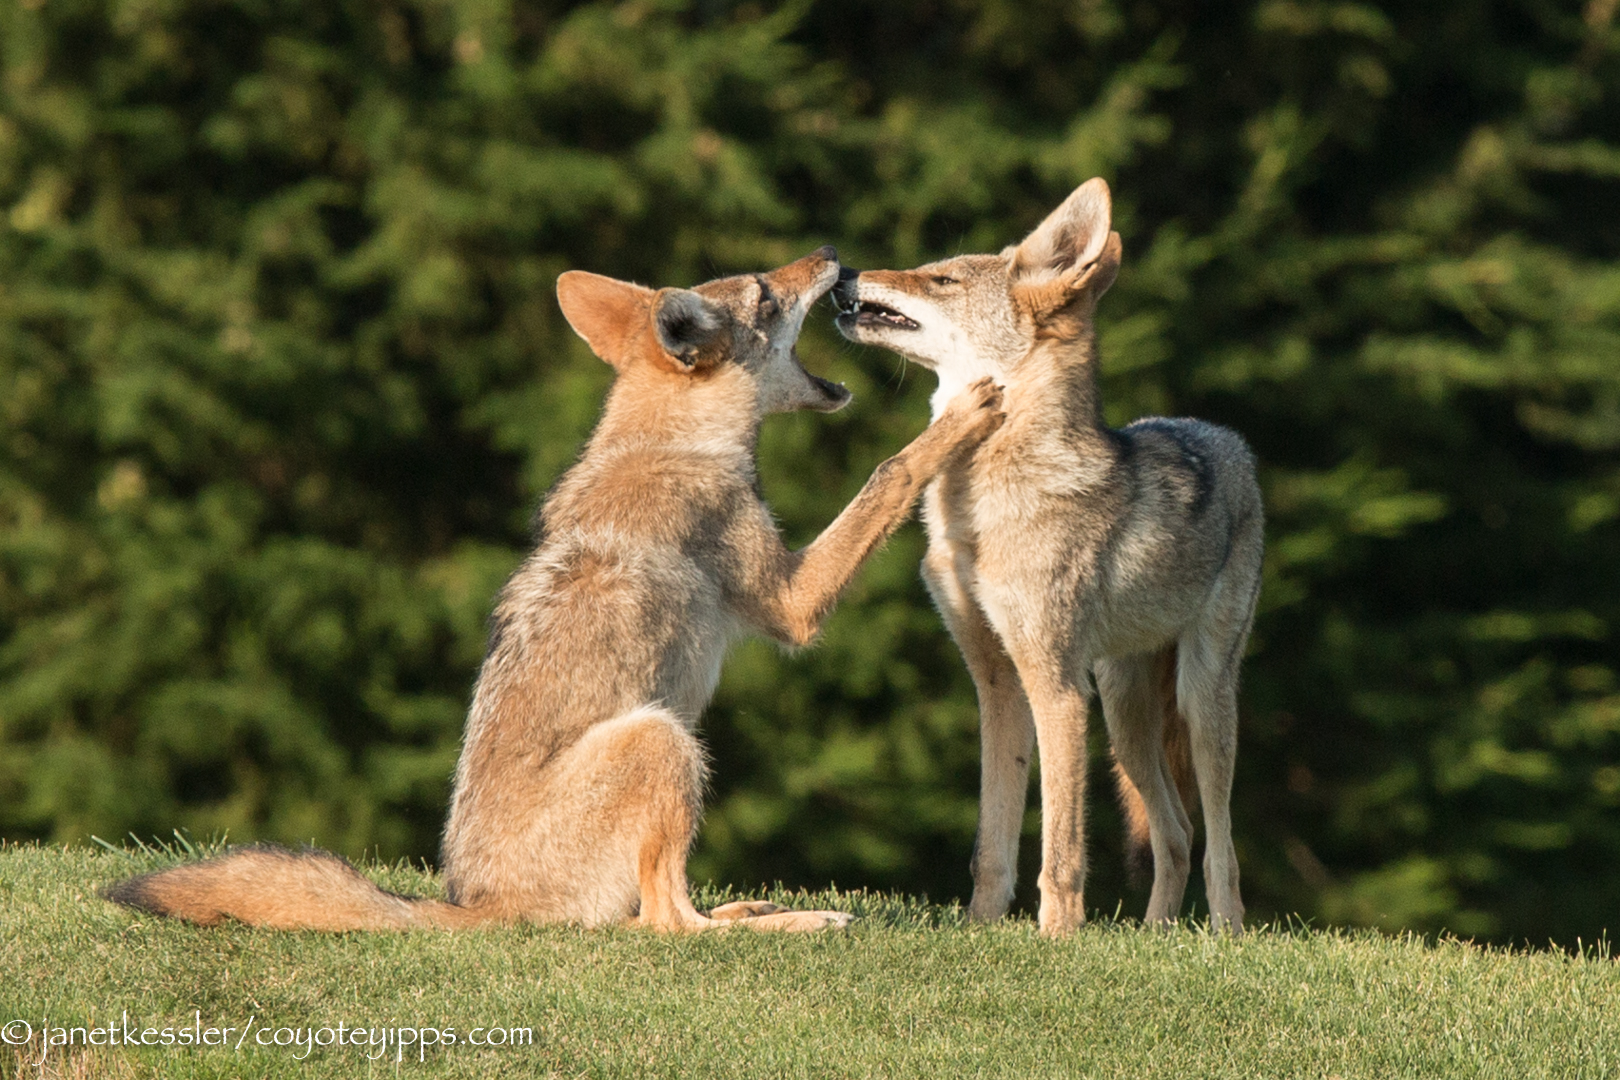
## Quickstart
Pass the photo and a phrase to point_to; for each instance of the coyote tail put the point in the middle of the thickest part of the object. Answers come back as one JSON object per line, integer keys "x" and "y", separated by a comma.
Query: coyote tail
{"x": 267, "y": 885}
{"x": 1178, "y": 752}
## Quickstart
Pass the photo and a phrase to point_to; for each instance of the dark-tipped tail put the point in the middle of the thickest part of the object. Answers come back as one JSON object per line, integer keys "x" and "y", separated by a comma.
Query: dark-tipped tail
{"x": 266, "y": 885}
{"x": 1178, "y": 752}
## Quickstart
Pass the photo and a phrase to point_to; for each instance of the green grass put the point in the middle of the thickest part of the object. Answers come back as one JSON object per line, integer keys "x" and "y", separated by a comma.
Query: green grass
{"x": 910, "y": 991}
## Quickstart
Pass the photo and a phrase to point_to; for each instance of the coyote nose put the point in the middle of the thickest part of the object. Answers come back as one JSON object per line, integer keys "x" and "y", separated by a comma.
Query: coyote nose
{"x": 828, "y": 252}
{"x": 844, "y": 289}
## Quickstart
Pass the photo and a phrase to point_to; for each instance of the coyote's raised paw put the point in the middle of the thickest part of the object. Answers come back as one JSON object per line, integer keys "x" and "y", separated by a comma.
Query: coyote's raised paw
{"x": 974, "y": 414}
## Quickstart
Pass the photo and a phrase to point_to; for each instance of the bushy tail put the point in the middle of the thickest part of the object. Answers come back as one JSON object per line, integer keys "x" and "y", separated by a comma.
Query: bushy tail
{"x": 266, "y": 885}
{"x": 1178, "y": 751}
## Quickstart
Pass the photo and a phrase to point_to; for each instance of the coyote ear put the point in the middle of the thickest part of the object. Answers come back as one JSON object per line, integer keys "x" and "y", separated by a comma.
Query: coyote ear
{"x": 1074, "y": 247}
{"x": 605, "y": 312}
{"x": 687, "y": 326}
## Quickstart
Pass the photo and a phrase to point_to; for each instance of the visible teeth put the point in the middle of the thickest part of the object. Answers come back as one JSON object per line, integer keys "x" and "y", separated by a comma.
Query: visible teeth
{"x": 887, "y": 316}
{"x": 867, "y": 311}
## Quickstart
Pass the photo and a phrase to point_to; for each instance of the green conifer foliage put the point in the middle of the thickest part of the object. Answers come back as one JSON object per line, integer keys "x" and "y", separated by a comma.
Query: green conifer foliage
{"x": 282, "y": 378}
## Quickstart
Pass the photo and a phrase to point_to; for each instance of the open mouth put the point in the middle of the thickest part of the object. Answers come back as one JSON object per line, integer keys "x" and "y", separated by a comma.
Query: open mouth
{"x": 867, "y": 313}
{"x": 834, "y": 396}
{"x": 836, "y": 392}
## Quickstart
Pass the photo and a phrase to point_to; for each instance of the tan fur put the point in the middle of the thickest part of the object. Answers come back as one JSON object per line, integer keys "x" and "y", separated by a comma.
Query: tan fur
{"x": 1064, "y": 554}
{"x": 580, "y": 783}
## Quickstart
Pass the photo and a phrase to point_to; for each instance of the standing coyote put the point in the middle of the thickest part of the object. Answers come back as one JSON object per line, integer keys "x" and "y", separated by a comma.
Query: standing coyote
{"x": 1063, "y": 549}
{"x": 580, "y": 782}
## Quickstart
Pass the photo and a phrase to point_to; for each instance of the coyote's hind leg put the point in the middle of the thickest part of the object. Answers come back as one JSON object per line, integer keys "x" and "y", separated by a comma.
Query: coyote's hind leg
{"x": 1131, "y": 689}
{"x": 648, "y": 769}
{"x": 606, "y": 826}
{"x": 1207, "y": 693}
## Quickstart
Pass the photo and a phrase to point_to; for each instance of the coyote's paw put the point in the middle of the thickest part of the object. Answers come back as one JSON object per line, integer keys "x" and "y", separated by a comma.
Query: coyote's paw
{"x": 744, "y": 909}
{"x": 974, "y": 413}
{"x": 798, "y": 921}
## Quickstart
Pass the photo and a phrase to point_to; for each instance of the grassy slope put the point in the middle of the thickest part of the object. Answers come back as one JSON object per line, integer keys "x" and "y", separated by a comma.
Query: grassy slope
{"x": 910, "y": 991}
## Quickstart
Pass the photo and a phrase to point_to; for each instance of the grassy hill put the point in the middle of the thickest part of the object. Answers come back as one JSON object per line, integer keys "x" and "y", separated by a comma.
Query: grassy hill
{"x": 912, "y": 990}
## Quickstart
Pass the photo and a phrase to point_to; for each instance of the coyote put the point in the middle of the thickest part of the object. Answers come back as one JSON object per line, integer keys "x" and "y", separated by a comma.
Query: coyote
{"x": 1063, "y": 551}
{"x": 580, "y": 782}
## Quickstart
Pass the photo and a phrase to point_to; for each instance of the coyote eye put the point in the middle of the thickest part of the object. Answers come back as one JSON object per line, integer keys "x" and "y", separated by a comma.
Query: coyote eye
{"x": 767, "y": 306}
{"x": 943, "y": 279}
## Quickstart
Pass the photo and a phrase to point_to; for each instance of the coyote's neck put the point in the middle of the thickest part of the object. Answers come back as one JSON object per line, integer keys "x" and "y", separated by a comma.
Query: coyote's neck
{"x": 654, "y": 435}
{"x": 1057, "y": 376}
{"x": 1064, "y": 373}
{"x": 646, "y": 412}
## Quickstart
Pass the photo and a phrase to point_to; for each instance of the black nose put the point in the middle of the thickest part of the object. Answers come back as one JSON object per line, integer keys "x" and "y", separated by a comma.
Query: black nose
{"x": 843, "y": 292}
{"x": 828, "y": 252}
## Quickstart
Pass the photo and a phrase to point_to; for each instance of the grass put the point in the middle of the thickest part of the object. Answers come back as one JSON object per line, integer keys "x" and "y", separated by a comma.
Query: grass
{"x": 911, "y": 991}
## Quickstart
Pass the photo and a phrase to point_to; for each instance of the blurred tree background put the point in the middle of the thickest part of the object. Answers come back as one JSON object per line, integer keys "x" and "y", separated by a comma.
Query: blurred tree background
{"x": 283, "y": 378}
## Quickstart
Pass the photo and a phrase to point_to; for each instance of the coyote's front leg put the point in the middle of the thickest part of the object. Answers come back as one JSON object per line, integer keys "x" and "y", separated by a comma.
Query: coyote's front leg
{"x": 1059, "y": 705}
{"x": 808, "y": 582}
{"x": 1006, "y": 727}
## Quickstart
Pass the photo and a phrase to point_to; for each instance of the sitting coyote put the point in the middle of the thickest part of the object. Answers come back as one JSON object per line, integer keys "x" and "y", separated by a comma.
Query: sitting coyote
{"x": 1064, "y": 551}
{"x": 580, "y": 782}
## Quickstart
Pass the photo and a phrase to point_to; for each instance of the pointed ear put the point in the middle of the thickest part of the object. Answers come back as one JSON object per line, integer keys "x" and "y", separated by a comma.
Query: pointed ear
{"x": 688, "y": 326}
{"x": 1074, "y": 246}
{"x": 606, "y": 312}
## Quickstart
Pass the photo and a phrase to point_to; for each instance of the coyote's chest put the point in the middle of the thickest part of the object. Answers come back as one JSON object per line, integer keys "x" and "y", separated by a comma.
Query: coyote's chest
{"x": 1023, "y": 482}
{"x": 1041, "y": 533}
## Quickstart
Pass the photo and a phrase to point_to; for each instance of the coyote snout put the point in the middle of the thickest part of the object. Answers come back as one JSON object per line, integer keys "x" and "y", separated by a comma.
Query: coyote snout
{"x": 1064, "y": 553}
{"x": 580, "y": 782}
